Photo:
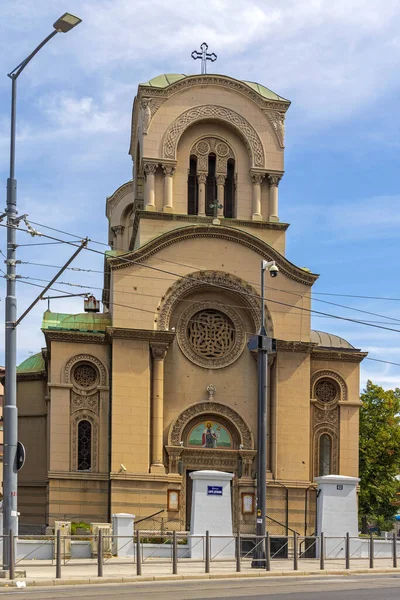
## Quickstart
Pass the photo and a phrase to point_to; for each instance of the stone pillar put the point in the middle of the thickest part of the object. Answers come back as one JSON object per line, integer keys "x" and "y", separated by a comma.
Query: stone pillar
{"x": 118, "y": 232}
{"x": 273, "y": 197}
{"x": 201, "y": 178}
{"x": 157, "y": 408}
{"x": 221, "y": 194}
{"x": 149, "y": 186}
{"x": 168, "y": 188}
{"x": 256, "y": 209}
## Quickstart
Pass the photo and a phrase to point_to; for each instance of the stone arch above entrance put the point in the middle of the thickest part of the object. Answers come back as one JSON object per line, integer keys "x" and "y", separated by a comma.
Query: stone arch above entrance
{"x": 229, "y": 415}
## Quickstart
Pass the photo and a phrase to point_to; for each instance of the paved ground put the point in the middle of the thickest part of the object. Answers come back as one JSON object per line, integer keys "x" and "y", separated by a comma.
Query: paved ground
{"x": 124, "y": 568}
{"x": 362, "y": 587}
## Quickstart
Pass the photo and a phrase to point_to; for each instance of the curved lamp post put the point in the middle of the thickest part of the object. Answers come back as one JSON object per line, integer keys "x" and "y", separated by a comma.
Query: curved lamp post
{"x": 10, "y": 480}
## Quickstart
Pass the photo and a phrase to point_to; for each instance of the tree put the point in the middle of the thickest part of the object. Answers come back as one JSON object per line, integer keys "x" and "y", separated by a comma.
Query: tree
{"x": 379, "y": 456}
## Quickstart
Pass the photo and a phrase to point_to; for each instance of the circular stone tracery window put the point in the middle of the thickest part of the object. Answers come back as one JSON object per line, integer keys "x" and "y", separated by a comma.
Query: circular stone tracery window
{"x": 325, "y": 391}
{"x": 210, "y": 334}
{"x": 85, "y": 376}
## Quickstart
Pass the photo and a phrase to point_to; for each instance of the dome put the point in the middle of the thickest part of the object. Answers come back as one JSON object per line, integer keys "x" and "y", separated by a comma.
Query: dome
{"x": 329, "y": 340}
{"x": 167, "y": 79}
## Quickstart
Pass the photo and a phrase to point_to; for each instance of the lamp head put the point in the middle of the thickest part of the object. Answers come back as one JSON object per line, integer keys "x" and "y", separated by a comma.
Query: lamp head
{"x": 66, "y": 22}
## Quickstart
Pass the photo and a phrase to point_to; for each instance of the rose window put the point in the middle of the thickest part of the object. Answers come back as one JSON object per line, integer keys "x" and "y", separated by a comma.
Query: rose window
{"x": 325, "y": 390}
{"x": 211, "y": 334}
{"x": 85, "y": 376}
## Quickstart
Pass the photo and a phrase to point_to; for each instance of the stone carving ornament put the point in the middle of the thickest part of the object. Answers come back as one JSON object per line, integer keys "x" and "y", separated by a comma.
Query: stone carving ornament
{"x": 177, "y": 427}
{"x": 205, "y": 280}
{"x": 88, "y": 360}
{"x": 331, "y": 379}
{"x": 231, "y": 118}
{"x": 80, "y": 402}
{"x": 211, "y": 334}
{"x": 212, "y": 145}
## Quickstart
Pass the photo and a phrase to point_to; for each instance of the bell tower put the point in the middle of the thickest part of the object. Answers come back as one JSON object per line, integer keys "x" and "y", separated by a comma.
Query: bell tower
{"x": 205, "y": 149}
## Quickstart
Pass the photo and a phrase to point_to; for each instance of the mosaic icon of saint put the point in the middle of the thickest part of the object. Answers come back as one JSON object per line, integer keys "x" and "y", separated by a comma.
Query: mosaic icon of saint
{"x": 210, "y": 437}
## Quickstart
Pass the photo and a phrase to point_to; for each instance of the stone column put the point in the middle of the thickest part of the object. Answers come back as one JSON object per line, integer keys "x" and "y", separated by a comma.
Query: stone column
{"x": 221, "y": 194}
{"x": 256, "y": 209}
{"x": 118, "y": 232}
{"x": 149, "y": 186}
{"x": 273, "y": 197}
{"x": 157, "y": 408}
{"x": 168, "y": 188}
{"x": 202, "y": 178}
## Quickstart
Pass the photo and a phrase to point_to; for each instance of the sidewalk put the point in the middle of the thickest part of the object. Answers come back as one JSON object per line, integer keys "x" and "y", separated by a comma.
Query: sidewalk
{"x": 117, "y": 570}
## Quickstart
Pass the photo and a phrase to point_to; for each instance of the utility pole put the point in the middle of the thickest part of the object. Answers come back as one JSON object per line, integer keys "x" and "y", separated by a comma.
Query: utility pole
{"x": 10, "y": 413}
{"x": 264, "y": 345}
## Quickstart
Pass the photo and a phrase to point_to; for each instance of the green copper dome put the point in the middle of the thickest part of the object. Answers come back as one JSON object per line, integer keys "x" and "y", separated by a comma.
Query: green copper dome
{"x": 167, "y": 79}
{"x": 33, "y": 364}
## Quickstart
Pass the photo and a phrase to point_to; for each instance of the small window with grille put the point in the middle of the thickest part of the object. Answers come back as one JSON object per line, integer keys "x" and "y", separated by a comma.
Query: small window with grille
{"x": 84, "y": 446}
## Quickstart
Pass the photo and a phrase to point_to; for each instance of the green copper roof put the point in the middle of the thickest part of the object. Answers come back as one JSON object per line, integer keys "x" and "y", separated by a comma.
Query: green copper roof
{"x": 163, "y": 81}
{"x": 33, "y": 364}
{"x": 84, "y": 322}
{"x": 263, "y": 91}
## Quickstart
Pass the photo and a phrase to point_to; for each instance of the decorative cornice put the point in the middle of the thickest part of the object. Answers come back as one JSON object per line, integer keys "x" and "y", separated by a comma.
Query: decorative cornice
{"x": 78, "y": 475}
{"x": 228, "y": 234}
{"x": 74, "y": 336}
{"x": 164, "y": 337}
{"x": 338, "y": 355}
{"x": 196, "y": 219}
{"x": 116, "y": 197}
{"x": 30, "y": 376}
{"x": 289, "y": 346}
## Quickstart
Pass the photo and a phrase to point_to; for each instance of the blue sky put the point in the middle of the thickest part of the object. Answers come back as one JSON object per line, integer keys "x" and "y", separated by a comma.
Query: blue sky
{"x": 336, "y": 61}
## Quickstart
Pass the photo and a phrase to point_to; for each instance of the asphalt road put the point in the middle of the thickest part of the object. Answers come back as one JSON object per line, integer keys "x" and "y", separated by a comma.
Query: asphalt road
{"x": 361, "y": 587}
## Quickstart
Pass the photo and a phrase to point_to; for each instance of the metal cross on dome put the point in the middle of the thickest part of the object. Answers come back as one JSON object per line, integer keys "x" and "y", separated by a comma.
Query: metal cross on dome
{"x": 205, "y": 56}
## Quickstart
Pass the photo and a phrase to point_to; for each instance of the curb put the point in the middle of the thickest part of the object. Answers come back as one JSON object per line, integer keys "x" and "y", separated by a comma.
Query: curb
{"x": 211, "y": 576}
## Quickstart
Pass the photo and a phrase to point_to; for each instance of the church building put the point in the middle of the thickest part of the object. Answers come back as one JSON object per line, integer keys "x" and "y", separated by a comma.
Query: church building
{"x": 121, "y": 405}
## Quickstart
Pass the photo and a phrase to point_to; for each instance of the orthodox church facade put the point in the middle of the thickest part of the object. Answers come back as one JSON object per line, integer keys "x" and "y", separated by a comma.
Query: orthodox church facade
{"x": 120, "y": 406}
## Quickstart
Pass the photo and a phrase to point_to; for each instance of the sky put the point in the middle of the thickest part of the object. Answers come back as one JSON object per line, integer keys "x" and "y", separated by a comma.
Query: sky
{"x": 337, "y": 62}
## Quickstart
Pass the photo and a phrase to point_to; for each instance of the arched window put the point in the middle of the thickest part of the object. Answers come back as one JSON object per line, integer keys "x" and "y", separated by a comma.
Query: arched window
{"x": 325, "y": 454}
{"x": 192, "y": 187}
{"x": 84, "y": 446}
{"x": 229, "y": 202}
{"x": 211, "y": 185}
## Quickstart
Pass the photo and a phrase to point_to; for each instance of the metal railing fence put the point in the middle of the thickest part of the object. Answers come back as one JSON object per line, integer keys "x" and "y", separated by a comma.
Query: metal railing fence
{"x": 176, "y": 550}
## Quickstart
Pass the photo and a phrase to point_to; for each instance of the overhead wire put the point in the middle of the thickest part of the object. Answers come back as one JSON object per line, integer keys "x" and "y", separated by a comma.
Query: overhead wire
{"x": 130, "y": 261}
{"x": 219, "y": 286}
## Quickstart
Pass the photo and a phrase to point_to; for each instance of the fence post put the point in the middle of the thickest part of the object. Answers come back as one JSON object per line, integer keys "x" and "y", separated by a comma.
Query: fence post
{"x": 394, "y": 551}
{"x": 267, "y": 552}
{"x": 174, "y": 554}
{"x": 11, "y": 559}
{"x": 322, "y": 552}
{"x": 295, "y": 554}
{"x": 371, "y": 551}
{"x": 58, "y": 554}
{"x": 207, "y": 561}
{"x": 238, "y": 549}
{"x": 347, "y": 550}
{"x": 100, "y": 554}
{"x": 138, "y": 557}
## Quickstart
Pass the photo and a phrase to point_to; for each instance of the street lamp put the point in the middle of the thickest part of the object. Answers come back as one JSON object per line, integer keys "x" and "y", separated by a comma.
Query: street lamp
{"x": 10, "y": 464}
{"x": 264, "y": 345}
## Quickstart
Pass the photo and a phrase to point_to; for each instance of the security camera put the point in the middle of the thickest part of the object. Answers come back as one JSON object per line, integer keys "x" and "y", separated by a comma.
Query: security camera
{"x": 271, "y": 266}
{"x": 273, "y": 270}
{"x": 122, "y": 468}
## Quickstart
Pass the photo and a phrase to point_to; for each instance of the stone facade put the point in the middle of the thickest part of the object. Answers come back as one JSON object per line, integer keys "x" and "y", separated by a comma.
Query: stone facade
{"x": 127, "y": 403}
